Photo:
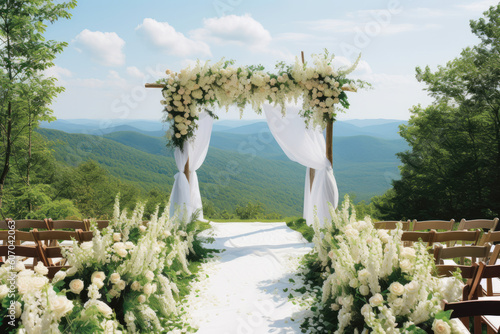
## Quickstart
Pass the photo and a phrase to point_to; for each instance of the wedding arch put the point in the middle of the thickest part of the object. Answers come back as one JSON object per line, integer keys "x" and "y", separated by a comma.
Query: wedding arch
{"x": 189, "y": 93}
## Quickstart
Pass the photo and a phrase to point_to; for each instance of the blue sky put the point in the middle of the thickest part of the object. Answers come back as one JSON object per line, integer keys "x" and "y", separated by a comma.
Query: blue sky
{"x": 115, "y": 46}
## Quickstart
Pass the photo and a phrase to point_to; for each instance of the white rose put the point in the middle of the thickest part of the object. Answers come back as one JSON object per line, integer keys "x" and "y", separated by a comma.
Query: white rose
{"x": 350, "y": 232}
{"x": 41, "y": 269}
{"x": 150, "y": 275}
{"x": 114, "y": 278}
{"x": 363, "y": 275}
{"x": 142, "y": 228}
{"x": 99, "y": 275}
{"x": 406, "y": 265}
{"x": 376, "y": 300}
{"x": 335, "y": 307}
{"x": 397, "y": 288}
{"x": 121, "y": 285}
{"x": 19, "y": 266}
{"x": 177, "y": 135}
{"x": 71, "y": 271}
{"x": 408, "y": 252}
{"x": 136, "y": 286}
{"x": 129, "y": 245}
{"x": 76, "y": 286}
{"x": 117, "y": 237}
{"x": 101, "y": 306}
{"x": 167, "y": 233}
{"x": 354, "y": 283}
{"x": 4, "y": 291}
{"x": 98, "y": 283}
{"x": 114, "y": 293}
{"x": 148, "y": 289}
{"x": 59, "y": 276}
{"x": 441, "y": 327}
{"x": 122, "y": 252}
{"x": 398, "y": 303}
{"x": 364, "y": 290}
{"x": 60, "y": 306}
{"x": 19, "y": 310}
{"x": 411, "y": 287}
{"x": 141, "y": 299}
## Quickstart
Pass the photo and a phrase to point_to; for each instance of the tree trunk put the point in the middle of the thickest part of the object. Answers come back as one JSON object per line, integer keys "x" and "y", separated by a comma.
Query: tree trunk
{"x": 8, "y": 152}
{"x": 28, "y": 165}
{"x": 329, "y": 141}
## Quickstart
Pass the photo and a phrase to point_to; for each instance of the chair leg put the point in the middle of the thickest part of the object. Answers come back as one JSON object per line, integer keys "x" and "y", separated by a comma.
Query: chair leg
{"x": 478, "y": 326}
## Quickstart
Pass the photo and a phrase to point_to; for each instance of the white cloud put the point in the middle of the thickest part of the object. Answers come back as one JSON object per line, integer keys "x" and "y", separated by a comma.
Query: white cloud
{"x": 58, "y": 72}
{"x": 295, "y": 37}
{"x": 105, "y": 48}
{"x": 479, "y": 6}
{"x": 233, "y": 29}
{"x": 134, "y": 72}
{"x": 163, "y": 36}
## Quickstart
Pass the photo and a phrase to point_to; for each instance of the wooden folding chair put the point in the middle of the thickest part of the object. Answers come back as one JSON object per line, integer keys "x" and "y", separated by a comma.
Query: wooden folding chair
{"x": 450, "y": 237}
{"x": 484, "y": 224}
{"x": 392, "y": 224}
{"x": 443, "y": 254}
{"x": 433, "y": 225}
{"x": 488, "y": 310}
{"x": 26, "y": 252}
{"x": 491, "y": 237}
{"x": 49, "y": 242}
{"x": 68, "y": 225}
{"x": 101, "y": 224}
{"x": 409, "y": 237}
{"x": 85, "y": 236}
{"x": 22, "y": 224}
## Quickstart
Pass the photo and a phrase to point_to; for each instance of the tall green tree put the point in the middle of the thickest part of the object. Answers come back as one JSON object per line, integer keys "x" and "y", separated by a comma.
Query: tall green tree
{"x": 453, "y": 167}
{"x": 24, "y": 55}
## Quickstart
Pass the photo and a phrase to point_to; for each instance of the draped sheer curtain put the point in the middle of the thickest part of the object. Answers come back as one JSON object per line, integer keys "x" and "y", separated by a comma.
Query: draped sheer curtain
{"x": 306, "y": 146}
{"x": 186, "y": 194}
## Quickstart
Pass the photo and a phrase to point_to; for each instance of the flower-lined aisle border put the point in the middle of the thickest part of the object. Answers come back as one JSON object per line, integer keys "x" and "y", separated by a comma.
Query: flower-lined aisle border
{"x": 321, "y": 88}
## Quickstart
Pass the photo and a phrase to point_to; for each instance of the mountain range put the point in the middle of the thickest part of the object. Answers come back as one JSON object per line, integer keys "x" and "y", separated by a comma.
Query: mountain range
{"x": 244, "y": 162}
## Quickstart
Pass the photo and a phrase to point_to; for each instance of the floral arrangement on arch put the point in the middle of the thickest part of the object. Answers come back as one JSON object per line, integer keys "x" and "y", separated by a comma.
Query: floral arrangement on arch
{"x": 124, "y": 280}
{"x": 204, "y": 86}
{"x": 373, "y": 284}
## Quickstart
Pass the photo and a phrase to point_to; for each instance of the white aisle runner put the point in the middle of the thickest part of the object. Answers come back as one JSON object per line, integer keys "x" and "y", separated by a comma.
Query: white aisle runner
{"x": 243, "y": 292}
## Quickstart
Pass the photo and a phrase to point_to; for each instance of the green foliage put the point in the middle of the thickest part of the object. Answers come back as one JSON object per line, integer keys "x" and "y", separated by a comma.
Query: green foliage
{"x": 453, "y": 167}
{"x": 299, "y": 225}
{"x": 249, "y": 211}
{"x": 57, "y": 209}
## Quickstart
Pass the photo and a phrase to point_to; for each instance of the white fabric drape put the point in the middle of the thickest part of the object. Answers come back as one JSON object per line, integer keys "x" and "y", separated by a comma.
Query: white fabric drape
{"x": 187, "y": 194}
{"x": 306, "y": 146}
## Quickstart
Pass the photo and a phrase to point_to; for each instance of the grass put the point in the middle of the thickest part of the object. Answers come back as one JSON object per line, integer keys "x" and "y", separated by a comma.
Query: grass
{"x": 259, "y": 220}
{"x": 299, "y": 225}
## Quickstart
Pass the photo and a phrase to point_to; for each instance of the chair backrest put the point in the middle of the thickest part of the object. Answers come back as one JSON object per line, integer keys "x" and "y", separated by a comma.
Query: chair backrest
{"x": 412, "y": 236}
{"x": 102, "y": 224}
{"x": 472, "y": 308}
{"x": 433, "y": 225}
{"x": 15, "y": 236}
{"x": 491, "y": 237}
{"x": 55, "y": 235}
{"x": 23, "y": 224}
{"x": 391, "y": 225}
{"x": 483, "y": 271}
{"x": 85, "y": 235}
{"x": 479, "y": 252}
{"x": 68, "y": 224}
{"x": 485, "y": 224}
{"x": 449, "y": 236}
{"x": 447, "y": 270}
{"x": 33, "y": 252}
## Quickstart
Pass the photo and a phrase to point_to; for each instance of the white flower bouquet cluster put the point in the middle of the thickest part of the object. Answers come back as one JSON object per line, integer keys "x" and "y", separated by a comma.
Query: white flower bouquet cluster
{"x": 376, "y": 285}
{"x": 124, "y": 280}
{"x": 202, "y": 86}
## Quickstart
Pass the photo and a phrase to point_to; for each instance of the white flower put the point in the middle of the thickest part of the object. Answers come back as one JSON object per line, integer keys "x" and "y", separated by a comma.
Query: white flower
{"x": 121, "y": 285}
{"x": 41, "y": 269}
{"x": 141, "y": 299}
{"x": 99, "y": 275}
{"x": 142, "y": 228}
{"x": 18, "y": 309}
{"x": 60, "y": 306}
{"x": 4, "y": 291}
{"x": 117, "y": 237}
{"x": 59, "y": 276}
{"x": 122, "y": 252}
{"x": 98, "y": 283}
{"x": 405, "y": 265}
{"x": 408, "y": 252}
{"x": 376, "y": 300}
{"x": 129, "y": 245}
{"x": 335, "y": 307}
{"x": 136, "y": 286}
{"x": 364, "y": 275}
{"x": 114, "y": 293}
{"x": 354, "y": 283}
{"x": 87, "y": 245}
{"x": 71, "y": 271}
{"x": 441, "y": 327}
{"x": 19, "y": 266}
{"x": 76, "y": 286}
{"x": 150, "y": 275}
{"x": 364, "y": 290}
{"x": 101, "y": 306}
{"x": 397, "y": 288}
{"x": 411, "y": 287}
{"x": 114, "y": 278}
{"x": 148, "y": 289}
{"x": 167, "y": 233}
